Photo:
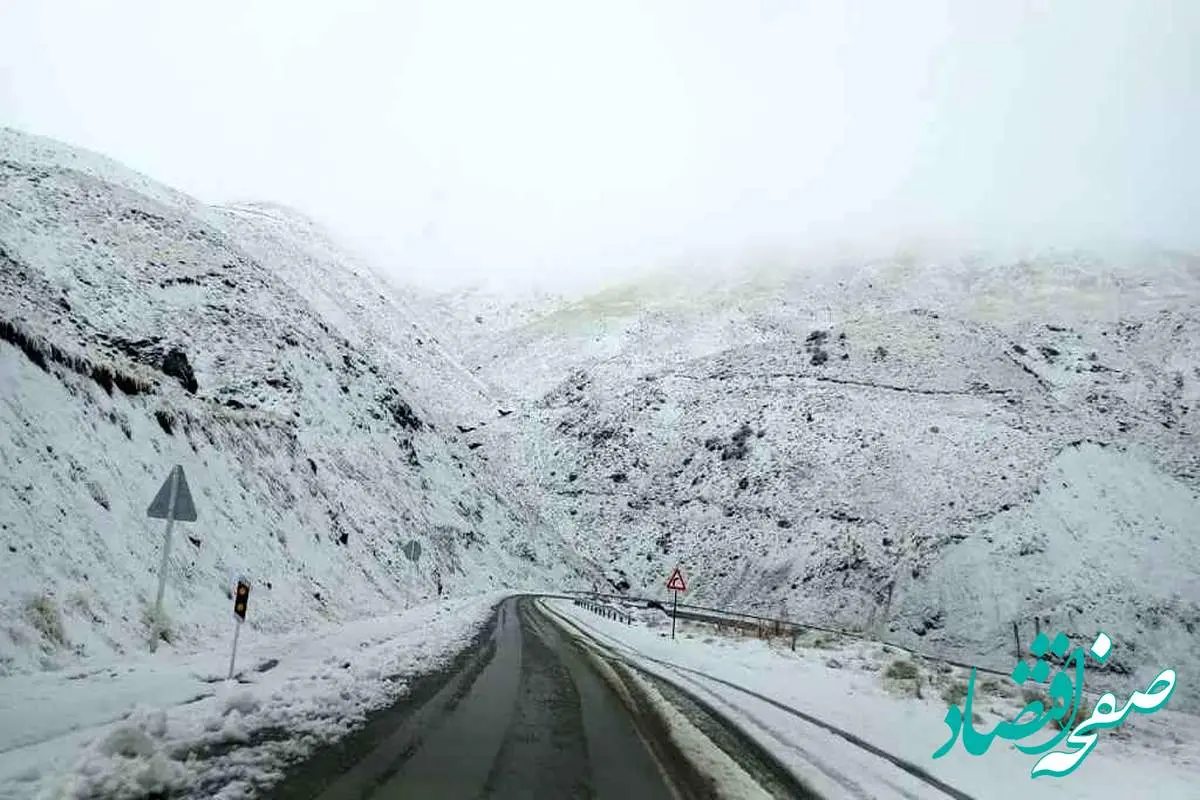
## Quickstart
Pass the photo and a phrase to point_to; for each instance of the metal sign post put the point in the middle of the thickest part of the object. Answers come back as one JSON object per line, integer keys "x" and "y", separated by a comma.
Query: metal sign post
{"x": 173, "y": 502}
{"x": 412, "y": 551}
{"x": 241, "y": 598}
{"x": 676, "y": 584}
{"x": 674, "y": 613}
{"x": 156, "y": 622}
{"x": 237, "y": 629}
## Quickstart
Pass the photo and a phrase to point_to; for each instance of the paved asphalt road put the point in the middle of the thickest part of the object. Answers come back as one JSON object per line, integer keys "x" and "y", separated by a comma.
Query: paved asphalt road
{"x": 523, "y": 715}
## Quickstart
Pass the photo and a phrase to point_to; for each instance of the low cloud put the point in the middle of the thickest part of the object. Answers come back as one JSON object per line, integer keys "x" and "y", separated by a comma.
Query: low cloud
{"x": 460, "y": 141}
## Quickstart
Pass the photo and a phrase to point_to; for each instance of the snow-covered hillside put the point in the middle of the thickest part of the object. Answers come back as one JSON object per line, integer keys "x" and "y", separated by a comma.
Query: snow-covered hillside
{"x": 313, "y": 412}
{"x": 930, "y": 448}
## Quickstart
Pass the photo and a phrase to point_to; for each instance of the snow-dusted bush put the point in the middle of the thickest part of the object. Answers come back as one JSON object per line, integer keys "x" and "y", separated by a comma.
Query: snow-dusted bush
{"x": 43, "y": 613}
{"x": 160, "y": 622}
{"x": 902, "y": 670}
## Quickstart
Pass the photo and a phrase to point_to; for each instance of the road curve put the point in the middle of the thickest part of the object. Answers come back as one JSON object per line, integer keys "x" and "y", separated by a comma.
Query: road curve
{"x": 525, "y": 714}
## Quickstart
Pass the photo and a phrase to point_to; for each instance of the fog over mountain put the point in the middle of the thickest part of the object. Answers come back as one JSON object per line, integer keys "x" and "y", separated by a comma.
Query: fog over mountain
{"x": 462, "y": 142}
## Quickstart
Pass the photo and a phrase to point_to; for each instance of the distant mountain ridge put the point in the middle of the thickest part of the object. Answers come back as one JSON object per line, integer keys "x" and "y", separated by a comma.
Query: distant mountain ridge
{"x": 930, "y": 448}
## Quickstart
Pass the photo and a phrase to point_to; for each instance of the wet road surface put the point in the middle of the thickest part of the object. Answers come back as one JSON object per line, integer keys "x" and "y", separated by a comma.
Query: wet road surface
{"x": 526, "y": 715}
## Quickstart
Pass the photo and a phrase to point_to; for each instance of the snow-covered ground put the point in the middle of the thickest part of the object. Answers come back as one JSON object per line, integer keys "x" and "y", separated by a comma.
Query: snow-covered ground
{"x": 128, "y": 727}
{"x": 845, "y": 683}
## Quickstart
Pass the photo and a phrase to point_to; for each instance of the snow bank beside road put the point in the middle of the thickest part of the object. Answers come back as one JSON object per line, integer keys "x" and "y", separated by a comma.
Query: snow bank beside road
{"x": 125, "y": 728}
{"x": 845, "y": 684}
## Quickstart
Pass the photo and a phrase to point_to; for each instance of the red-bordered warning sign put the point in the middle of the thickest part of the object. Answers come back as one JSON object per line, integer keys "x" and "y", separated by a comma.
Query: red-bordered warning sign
{"x": 676, "y": 582}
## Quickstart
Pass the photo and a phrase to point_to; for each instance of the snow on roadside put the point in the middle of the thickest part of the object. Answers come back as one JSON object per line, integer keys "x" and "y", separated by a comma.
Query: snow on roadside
{"x": 845, "y": 684}
{"x": 727, "y": 776}
{"x": 172, "y": 722}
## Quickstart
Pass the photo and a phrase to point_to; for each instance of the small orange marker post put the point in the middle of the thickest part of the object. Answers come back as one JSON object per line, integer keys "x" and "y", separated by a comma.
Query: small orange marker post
{"x": 241, "y": 599}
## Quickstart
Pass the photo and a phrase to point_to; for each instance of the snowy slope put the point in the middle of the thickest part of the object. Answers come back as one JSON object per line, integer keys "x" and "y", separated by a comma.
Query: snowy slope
{"x": 933, "y": 448}
{"x": 140, "y": 330}
{"x": 374, "y": 315}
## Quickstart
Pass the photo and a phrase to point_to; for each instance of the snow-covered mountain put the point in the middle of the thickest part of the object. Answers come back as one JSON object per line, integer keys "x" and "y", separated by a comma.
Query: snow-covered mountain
{"x": 314, "y": 413}
{"x": 926, "y": 447}
{"x": 931, "y": 447}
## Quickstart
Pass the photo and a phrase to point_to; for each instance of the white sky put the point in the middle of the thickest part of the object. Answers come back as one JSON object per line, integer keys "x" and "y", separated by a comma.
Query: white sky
{"x": 524, "y": 138}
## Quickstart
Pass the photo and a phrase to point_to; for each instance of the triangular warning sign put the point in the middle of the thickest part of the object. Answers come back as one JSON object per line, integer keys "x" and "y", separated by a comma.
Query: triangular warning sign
{"x": 185, "y": 509}
{"x": 675, "y": 582}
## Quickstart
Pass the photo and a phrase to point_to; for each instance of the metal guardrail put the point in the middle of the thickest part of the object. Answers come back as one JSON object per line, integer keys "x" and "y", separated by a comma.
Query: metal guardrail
{"x": 603, "y": 610}
{"x": 778, "y": 626}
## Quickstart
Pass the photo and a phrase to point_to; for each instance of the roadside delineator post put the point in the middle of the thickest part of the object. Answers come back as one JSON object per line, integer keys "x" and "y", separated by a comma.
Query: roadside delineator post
{"x": 241, "y": 598}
